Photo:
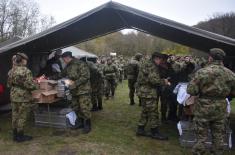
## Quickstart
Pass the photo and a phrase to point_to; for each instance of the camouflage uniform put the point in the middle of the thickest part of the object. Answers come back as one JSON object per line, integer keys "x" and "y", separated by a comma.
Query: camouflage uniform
{"x": 132, "y": 74}
{"x": 78, "y": 71}
{"x": 20, "y": 81}
{"x": 147, "y": 83}
{"x": 212, "y": 84}
{"x": 97, "y": 84}
{"x": 110, "y": 74}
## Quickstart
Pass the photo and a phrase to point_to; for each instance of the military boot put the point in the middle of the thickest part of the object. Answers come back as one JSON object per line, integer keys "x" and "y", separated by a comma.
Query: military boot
{"x": 157, "y": 135}
{"x": 140, "y": 131}
{"x": 15, "y": 134}
{"x": 87, "y": 126}
{"x": 22, "y": 138}
{"x": 100, "y": 104}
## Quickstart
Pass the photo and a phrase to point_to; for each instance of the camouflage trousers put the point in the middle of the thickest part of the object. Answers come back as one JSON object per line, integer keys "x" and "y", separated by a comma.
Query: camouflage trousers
{"x": 149, "y": 113}
{"x": 20, "y": 112}
{"x": 110, "y": 86}
{"x": 82, "y": 105}
{"x": 131, "y": 85}
{"x": 209, "y": 117}
{"x": 95, "y": 97}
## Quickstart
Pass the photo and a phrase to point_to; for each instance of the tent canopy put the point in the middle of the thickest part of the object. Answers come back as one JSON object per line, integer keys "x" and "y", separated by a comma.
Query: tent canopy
{"x": 112, "y": 17}
{"x": 76, "y": 52}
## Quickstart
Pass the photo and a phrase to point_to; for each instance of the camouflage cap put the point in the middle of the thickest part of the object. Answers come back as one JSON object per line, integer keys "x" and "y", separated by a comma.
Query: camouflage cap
{"x": 23, "y": 55}
{"x": 67, "y": 54}
{"x": 138, "y": 55}
{"x": 217, "y": 53}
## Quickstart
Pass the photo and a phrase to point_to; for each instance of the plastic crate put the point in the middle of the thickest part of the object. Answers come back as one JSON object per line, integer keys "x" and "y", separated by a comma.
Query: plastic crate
{"x": 56, "y": 118}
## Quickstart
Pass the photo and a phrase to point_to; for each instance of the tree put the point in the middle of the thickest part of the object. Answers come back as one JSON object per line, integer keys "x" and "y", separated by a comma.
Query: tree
{"x": 21, "y": 18}
{"x": 223, "y": 24}
{"x": 131, "y": 43}
{"x": 45, "y": 22}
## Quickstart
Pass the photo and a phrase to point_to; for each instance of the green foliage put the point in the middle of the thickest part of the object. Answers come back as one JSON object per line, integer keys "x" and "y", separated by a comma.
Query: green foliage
{"x": 131, "y": 43}
{"x": 177, "y": 50}
{"x": 220, "y": 23}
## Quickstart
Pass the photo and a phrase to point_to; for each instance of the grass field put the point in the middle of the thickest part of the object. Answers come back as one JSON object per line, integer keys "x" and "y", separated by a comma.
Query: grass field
{"x": 113, "y": 133}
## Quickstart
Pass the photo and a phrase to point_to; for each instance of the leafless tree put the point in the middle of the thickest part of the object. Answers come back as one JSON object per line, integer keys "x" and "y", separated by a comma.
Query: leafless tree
{"x": 21, "y": 18}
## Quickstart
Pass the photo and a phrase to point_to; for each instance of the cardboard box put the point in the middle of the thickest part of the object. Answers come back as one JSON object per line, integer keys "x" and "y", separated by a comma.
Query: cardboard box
{"x": 42, "y": 96}
{"x": 47, "y": 84}
{"x": 36, "y": 94}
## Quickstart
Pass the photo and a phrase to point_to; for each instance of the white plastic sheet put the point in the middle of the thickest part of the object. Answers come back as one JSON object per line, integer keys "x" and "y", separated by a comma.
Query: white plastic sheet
{"x": 181, "y": 91}
{"x": 72, "y": 117}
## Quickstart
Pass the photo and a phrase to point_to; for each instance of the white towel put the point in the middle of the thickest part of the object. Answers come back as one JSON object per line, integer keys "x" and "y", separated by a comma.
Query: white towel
{"x": 181, "y": 91}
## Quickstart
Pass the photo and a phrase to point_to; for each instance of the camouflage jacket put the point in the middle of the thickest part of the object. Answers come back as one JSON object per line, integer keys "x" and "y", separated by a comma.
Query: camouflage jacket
{"x": 97, "y": 78}
{"x": 148, "y": 80}
{"x": 78, "y": 71}
{"x": 110, "y": 71}
{"x": 214, "y": 81}
{"x": 20, "y": 81}
{"x": 132, "y": 69}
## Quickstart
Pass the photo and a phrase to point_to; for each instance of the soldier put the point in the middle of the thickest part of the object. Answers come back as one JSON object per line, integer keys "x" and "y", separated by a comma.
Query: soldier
{"x": 54, "y": 65}
{"x": 212, "y": 84}
{"x": 110, "y": 74}
{"x": 78, "y": 71}
{"x": 147, "y": 82}
{"x": 132, "y": 74}
{"x": 20, "y": 81}
{"x": 121, "y": 65}
{"x": 97, "y": 82}
{"x": 183, "y": 69}
{"x": 168, "y": 102}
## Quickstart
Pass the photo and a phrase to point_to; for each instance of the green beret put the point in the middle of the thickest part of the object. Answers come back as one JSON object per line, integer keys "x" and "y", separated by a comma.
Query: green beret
{"x": 217, "y": 53}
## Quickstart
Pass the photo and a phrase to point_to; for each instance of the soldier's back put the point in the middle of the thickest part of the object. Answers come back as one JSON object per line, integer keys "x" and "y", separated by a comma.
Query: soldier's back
{"x": 21, "y": 83}
{"x": 132, "y": 69}
{"x": 215, "y": 81}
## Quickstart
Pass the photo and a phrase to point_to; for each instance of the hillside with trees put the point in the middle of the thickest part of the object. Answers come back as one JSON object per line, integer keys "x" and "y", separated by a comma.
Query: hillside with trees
{"x": 131, "y": 43}
{"x": 223, "y": 24}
